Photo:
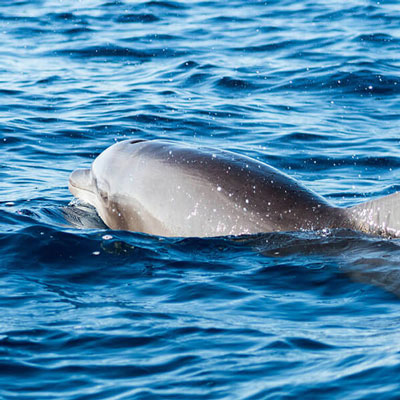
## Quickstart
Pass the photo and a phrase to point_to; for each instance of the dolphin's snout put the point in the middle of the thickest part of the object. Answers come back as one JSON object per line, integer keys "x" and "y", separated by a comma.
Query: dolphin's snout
{"x": 80, "y": 185}
{"x": 80, "y": 178}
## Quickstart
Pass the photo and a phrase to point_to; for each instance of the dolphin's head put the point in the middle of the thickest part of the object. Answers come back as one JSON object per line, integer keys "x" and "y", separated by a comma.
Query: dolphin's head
{"x": 105, "y": 182}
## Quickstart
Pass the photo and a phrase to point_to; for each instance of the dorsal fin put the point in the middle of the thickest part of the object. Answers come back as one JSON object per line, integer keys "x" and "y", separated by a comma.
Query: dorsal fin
{"x": 380, "y": 216}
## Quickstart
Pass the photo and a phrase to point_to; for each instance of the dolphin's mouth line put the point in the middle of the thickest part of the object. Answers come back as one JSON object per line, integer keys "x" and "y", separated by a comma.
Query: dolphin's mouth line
{"x": 80, "y": 188}
{"x": 83, "y": 194}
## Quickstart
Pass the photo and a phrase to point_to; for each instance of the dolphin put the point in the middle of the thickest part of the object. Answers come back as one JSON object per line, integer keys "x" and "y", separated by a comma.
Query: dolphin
{"x": 167, "y": 188}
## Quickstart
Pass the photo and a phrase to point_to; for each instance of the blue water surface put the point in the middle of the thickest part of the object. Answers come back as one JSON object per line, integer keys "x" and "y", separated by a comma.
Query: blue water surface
{"x": 310, "y": 87}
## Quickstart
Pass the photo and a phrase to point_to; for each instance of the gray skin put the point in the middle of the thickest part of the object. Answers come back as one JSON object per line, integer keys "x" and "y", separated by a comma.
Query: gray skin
{"x": 172, "y": 189}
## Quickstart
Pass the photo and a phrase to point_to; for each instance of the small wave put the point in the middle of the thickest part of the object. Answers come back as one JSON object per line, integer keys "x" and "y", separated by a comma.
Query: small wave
{"x": 117, "y": 52}
{"x": 105, "y": 52}
{"x": 308, "y": 344}
{"x": 284, "y": 44}
{"x": 135, "y": 18}
{"x": 49, "y": 80}
{"x": 361, "y": 82}
{"x": 10, "y": 92}
{"x": 234, "y": 83}
{"x": 378, "y": 38}
{"x": 188, "y": 65}
{"x": 197, "y": 78}
{"x": 78, "y": 30}
{"x": 322, "y": 163}
{"x": 67, "y": 16}
{"x": 366, "y": 81}
{"x": 171, "y": 5}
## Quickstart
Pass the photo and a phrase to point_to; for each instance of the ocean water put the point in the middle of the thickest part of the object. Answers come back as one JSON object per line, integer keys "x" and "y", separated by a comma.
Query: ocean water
{"x": 310, "y": 87}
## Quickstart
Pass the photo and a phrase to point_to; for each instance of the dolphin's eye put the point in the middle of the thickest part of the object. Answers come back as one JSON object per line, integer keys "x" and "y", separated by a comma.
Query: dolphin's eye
{"x": 103, "y": 195}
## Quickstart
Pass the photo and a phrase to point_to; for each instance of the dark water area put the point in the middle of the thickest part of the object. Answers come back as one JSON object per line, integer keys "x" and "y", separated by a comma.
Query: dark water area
{"x": 309, "y": 87}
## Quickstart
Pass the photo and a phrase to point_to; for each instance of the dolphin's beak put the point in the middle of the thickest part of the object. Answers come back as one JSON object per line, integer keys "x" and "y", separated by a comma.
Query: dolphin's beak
{"x": 81, "y": 185}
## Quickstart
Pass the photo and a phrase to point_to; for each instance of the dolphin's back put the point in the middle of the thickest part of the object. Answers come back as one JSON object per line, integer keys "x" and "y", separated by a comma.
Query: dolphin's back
{"x": 179, "y": 190}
